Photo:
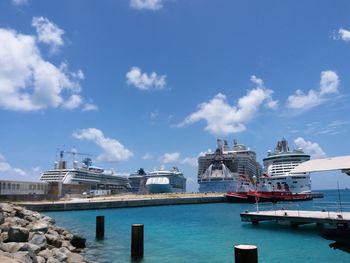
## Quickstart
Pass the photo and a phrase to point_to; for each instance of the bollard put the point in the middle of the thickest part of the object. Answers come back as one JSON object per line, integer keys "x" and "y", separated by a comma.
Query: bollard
{"x": 100, "y": 227}
{"x": 137, "y": 241}
{"x": 246, "y": 254}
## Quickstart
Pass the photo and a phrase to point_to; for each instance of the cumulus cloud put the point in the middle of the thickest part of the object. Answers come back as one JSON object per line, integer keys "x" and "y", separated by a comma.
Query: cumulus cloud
{"x": 223, "y": 119}
{"x": 329, "y": 84}
{"x": 144, "y": 81}
{"x": 312, "y": 148}
{"x": 170, "y": 157}
{"x": 19, "y": 2}
{"x": 48, "y": 32}
{"x": 9, "y": 172}
{"x": 146, "y": 4}
{"x": 30, "y": 83}
{"x": 113, "y": 150}
{"x": 342, "y": 34}
{"x": 89, "y": 107}
{"x": 147, "y": 156}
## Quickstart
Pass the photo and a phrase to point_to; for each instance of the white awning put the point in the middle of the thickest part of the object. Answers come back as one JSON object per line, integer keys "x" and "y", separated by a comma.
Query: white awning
{"x": 341, "y": 163}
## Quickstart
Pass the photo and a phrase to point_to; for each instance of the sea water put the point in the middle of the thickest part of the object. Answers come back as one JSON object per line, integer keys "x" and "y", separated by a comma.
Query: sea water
{"x": 203, "y": 233}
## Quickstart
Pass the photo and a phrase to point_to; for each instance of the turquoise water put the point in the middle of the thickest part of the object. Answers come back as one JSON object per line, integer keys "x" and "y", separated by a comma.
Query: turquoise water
{"x": 201, "y": 233}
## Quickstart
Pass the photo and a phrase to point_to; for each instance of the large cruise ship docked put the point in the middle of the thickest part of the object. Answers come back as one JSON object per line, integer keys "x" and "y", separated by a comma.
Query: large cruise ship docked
{"x": 279, "y": 163}
{"x": 227, "y": 169}
{"x": 84, "y": 178}
{"x": 159, "y": 181}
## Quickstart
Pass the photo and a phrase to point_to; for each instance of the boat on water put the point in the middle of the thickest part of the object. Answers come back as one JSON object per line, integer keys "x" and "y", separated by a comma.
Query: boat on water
{"x": 278, "y": 165}
{"x": 82, "y": 178}
{"x": 227, "y": 169}
{"x": 273, "y": 196}
{"x": 158, "y": 181}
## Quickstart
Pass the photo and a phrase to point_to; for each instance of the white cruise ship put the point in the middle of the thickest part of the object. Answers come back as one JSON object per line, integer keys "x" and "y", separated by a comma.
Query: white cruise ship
{"x": 84, "y": 178}
{"x": 277, "y": 167}
{"x": 228, "y": 170}
{"x": 166, "y": 181}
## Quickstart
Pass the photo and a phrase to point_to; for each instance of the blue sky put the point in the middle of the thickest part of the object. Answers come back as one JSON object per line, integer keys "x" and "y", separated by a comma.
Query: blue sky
{"x": 145, "y": 83}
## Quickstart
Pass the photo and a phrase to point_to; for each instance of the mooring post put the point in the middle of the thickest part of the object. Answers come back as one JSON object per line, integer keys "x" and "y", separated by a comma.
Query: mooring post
{"x": 137, "y": 241}
{"x": 246, "y": 254}
{"x": 100, "y": 227}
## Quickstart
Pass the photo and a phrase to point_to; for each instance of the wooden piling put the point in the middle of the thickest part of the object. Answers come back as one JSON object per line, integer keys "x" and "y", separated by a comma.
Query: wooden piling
{"x": 100, "y": 227}
{"x": 137, "y": 241}
{"x": 246, "y": 254}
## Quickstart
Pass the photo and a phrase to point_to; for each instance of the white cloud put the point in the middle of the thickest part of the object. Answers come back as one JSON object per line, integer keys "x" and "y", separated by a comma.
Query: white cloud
{"x": 343, "y": 34}
{"x": 147, "y": 156}
{"x": 7, "y": 171}
{"x": 223, "y": 119}
{"x": 30, "y": 83}
{"x": 19, "y": 2}
{"x": 113, "y": 150}
{"x": 146, "y": 4}
{"x": 89, "y": 107}
{"x": 311, "y": 148}
{"x": 328, "y": 85}
{"x": 143, "y": 81}
{"x": 48, "y": 32}
{"x": 170, "y": 157}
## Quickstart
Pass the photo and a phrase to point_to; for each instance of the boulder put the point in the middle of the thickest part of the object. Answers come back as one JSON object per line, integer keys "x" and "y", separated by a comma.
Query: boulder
{"x": 46, "y": 254}
{"x": 75, "y": 258}
{"x": 40, "y": 226}
{"x": 6, "y": 207}
{"x": 18, "y": 234}
{"x": 59, "y": 255}
{"x": 53, "y": 240}
{"x": 7, "y": 259}
{"x": 40, "y": 259}
{"x": 4, "y": 236}
{"x": 39, "y": 240}
{"x": 49, "y": 219}
{"x": 78, "y": 241}
{"x": 11, "y": 247}
{"x": 23, "y": 257}
{"x": 52, "y": 260}
{"x": 29, "y": 246}
{"x": 2, "y": 218}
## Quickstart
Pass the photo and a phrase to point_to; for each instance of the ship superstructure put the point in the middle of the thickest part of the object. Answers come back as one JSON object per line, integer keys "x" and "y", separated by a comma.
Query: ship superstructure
{"x": 84, "y": 178}
{"x": 279, "y": 163}
{"x": 227, "y": 169}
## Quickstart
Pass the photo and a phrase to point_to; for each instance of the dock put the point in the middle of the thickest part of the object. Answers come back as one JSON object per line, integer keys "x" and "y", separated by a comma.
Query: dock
{"x": 298, "y": 217}
{"x": 124, "y": 201}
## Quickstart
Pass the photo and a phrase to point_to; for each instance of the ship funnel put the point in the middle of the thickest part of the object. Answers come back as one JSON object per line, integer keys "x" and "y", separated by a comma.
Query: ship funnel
{"x": 219, "y": 144}
{"x": 226, "y": 148}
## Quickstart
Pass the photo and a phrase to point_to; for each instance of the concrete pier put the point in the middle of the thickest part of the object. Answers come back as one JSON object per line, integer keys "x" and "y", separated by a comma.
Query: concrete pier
{"x": 296, "y": 217}
{"x": 121, "y": 201}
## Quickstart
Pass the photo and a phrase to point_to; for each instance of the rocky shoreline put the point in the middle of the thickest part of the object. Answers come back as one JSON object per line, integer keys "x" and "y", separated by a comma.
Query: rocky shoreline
{"x": 29, "y": 237}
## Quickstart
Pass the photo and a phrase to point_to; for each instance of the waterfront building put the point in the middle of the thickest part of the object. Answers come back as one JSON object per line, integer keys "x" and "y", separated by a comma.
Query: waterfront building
{"x": 19, "y": 190}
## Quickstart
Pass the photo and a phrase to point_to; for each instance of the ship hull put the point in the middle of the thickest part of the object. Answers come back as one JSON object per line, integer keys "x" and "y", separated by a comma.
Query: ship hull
{"x": 221, "y": 186}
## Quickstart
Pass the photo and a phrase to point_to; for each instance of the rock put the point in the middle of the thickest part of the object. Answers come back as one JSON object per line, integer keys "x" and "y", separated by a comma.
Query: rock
{"x": 29, "y": 246}
{"x": 53, "y": 240}
{"x": 75, "y": 258}
{"x": 18, "y": 234}
{"x": 40, "y": 259}
{"x": 52, "y": 232}
{"x": 16, "y": 221}
{"x": 67, "y": 244}
{"x": 6, "y": 208}
{"x": 49, "y": 219}
{"x": 2, "y": 218}
{"x": 39, "y": 240}
{"x": 59, "y": 255}
{"x": 11, "y": 247}
{"x": 4, "y": 236}
{"x": 23, "y": 257}
{"x": 22, "y": 213}
{"x": 68, "y": 236}
{"x": 59, "y": 230}
{"x": 52, "y": 260}
{"x": 45, "y": 254}
{"x": 5, "y": 227}
{"x": 78, "y": 241}
{"x": 39, "y": 227}
{"x": 7, "y": 259}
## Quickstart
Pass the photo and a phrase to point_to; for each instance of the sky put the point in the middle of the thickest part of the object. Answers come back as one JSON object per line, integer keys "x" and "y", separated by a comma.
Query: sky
{"x": 152, "y": 83}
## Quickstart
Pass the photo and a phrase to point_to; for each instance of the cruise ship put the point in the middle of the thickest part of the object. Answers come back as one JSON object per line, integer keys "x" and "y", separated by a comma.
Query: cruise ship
{"x": 228, "y": 170}
{"x": 84, "y": 178}
{"x": 277, "y": 167}
{"x": 159, "y": 181}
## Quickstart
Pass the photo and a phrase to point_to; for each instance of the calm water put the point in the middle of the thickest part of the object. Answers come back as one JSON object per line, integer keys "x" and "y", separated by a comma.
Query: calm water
{"x": 201, "y": 233}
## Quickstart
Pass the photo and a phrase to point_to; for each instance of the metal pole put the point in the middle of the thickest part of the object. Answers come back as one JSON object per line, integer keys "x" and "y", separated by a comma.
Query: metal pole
{"x": 246, "y": 254}
{"x": 137, "y": 241}
{"x": 100, "y": 227}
